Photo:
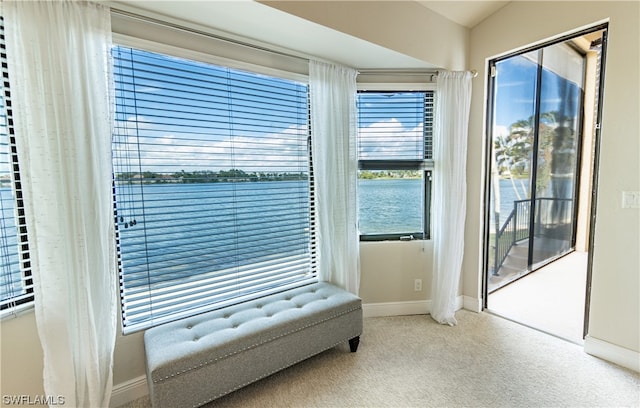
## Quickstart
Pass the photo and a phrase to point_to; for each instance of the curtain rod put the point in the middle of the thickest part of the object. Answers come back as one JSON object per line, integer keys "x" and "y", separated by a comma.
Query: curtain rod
{"x": 474, "y": 74}
{"x": 196, "y": 31}
{"x": 407, "y": 72}
{"x": 397, "y": 72}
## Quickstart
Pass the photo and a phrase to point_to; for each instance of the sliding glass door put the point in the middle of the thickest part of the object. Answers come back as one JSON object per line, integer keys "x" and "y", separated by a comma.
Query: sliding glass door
{"x": 536, "y": 121}
{"x": 556, "y": 160}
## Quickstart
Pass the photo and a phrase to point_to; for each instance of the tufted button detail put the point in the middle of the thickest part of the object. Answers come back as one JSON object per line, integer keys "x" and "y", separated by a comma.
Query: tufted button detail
{"x": 226, "y": 316}
{"x": 258, "y": 306}
{"x": 235, "y": 326}
{"x": 189, "y": 327}
{"x": 196, "y": 338}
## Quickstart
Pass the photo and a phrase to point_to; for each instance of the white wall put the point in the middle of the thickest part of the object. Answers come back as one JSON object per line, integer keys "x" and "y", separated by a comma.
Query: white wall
{"x": 389, "y": 269}
{"x": 403, "y": 26}
{"x": 615, "y": 305}
{"x": 20, "y": 356}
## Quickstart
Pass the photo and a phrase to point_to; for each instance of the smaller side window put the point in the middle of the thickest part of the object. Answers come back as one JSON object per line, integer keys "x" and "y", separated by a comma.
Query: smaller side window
{"x": 395, "y": 164}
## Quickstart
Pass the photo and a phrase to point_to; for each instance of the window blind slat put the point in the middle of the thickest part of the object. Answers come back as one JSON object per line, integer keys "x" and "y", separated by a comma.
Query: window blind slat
{"x": 185, "y": 258}
{"x": 160, "y": 301}
{"x": 16, "y": 283}
{"x": 286, "y": 268}
{"x": 283, "y": 266}
{"x": 395, "y": 125}
{"x": 212, "y": 186}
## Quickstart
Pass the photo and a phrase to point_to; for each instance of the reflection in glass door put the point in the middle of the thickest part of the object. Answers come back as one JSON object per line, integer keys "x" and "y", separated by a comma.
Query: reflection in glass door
{"x": 536, "y": 117}
{"x": 557, "y": 149}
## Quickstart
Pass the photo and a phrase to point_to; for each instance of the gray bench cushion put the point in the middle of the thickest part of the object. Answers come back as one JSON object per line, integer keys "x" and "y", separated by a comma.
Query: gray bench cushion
{"x": 181, "y": 348}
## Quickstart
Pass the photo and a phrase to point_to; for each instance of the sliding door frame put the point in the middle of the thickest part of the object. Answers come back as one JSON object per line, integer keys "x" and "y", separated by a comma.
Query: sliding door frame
{"x": 489, "y": 151}
{"x": 596, "y": 166}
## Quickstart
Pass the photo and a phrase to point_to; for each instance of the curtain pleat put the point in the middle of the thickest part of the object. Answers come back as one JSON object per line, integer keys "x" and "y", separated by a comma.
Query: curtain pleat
{"x": 59, "y": 71}
{"x": 453, "y": 101}
{"x": 333, "y": 133}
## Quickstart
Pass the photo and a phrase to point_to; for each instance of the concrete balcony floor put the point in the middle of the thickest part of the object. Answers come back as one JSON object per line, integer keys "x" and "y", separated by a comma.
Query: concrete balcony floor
{"x": 551, "y": 299}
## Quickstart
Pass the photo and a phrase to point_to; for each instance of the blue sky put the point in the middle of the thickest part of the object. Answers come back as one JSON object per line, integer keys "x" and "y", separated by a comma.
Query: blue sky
{"x": 180, "y": 113}
{"x": 516, "y": 88}
{"x": 391, "y": 124}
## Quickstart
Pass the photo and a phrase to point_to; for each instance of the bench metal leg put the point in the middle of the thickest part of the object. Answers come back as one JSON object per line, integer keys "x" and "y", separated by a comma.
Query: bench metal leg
{"x": 353, "y": 344}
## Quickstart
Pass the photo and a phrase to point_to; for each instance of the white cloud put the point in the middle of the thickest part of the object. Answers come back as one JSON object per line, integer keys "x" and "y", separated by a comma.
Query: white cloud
{"x": 500, "y": 131}
{"x": 173, "y": 152}
{"x": 388, "y": 138}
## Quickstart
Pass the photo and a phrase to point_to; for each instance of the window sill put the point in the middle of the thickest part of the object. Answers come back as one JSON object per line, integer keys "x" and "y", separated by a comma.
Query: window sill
{"x": 17, "y": 311}
{"x": 416, "y": 236}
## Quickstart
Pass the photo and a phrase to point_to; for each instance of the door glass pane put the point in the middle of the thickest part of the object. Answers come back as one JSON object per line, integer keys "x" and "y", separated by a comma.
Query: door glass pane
{"x": 537, "y": 116}
{"x": 558, "y": 144}
{"x": 513, "y": 133}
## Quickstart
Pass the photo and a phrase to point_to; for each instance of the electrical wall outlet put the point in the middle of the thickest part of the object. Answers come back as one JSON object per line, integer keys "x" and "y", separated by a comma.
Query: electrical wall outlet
{"x": 631, "y": 199}
{"x": 417, "y": 285}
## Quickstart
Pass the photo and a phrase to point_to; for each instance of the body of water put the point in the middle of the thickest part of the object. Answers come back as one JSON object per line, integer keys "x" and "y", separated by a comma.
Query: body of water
{"x": 186, "y": 229}
{"x": 510, "y": 191}
{"x": 390, "y": 206}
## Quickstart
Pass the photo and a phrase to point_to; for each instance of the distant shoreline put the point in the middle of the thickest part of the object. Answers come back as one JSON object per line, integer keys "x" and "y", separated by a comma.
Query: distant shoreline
{"x": 239, "y": 176}
{"x": 390, "y": 178}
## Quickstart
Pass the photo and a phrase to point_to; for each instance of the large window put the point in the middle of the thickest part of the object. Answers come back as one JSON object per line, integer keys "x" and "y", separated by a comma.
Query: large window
{"x": 212, "y": 184}
{"x": 394, "y": 152}
{"x": 16, "y": 283}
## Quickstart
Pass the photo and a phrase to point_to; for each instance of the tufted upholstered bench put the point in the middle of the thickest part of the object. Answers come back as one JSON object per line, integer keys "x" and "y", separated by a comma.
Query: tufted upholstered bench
{"x": 195, "y": 360}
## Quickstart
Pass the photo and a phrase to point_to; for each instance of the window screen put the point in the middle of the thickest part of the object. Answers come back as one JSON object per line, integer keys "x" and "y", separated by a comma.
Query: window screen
{"x": 212, "y": 186}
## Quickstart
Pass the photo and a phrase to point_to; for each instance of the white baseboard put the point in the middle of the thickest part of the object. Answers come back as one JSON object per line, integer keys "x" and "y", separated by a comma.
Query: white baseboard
{"x": 613, "y": 353}
{"x": 396, "y": 308}
{"x": 414, "y": 307}
{"x": 472, "y": 304}
{"x": 128, "y": 391}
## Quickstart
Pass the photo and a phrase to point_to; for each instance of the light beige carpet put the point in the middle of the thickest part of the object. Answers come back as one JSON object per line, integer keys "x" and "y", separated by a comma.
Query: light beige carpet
{"x": 410, "y": 361}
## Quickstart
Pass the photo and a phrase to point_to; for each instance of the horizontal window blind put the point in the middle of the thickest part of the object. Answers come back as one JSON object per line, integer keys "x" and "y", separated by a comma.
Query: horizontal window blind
{"x": 16, "y": 283}
{"x": 395, "y": 126}
{"x": 212, "y": 186}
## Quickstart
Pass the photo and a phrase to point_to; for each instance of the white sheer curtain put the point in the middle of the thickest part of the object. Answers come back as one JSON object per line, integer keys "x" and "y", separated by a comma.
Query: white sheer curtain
{"x": 453, "y": 101}
{"x": 58, "y": 55}
{"x": 333, "y": 135}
